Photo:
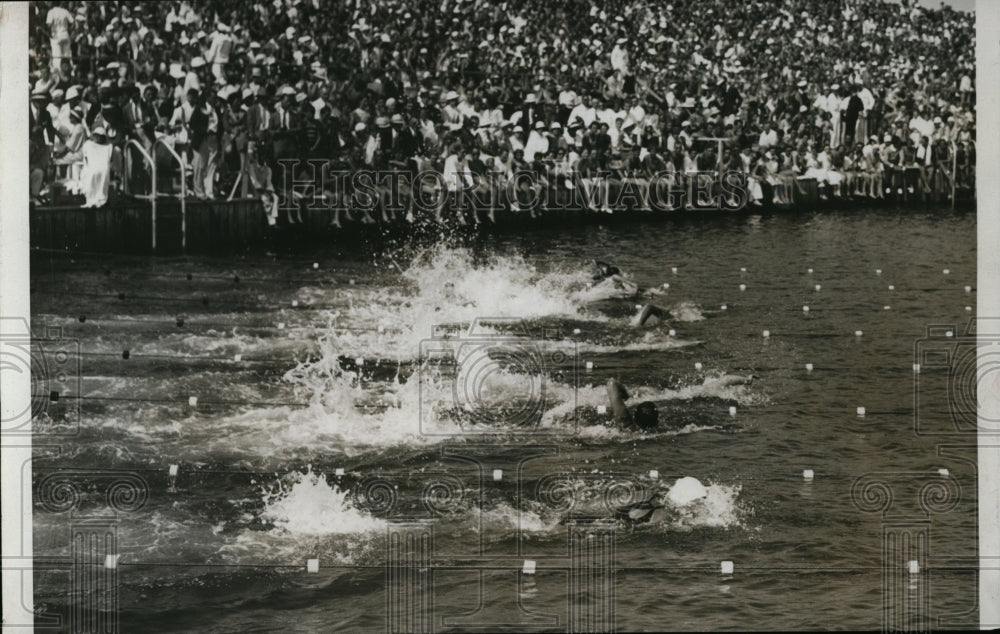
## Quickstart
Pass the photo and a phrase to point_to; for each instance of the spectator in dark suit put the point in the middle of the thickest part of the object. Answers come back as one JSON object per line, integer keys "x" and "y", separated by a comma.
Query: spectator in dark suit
{"x": 41, "y": 136}
{"x": 404, "y": 143}
{"x": 854, "y": 109}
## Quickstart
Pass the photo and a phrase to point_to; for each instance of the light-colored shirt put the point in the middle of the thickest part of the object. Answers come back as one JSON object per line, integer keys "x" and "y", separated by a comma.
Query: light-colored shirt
{"x": 59, "y": 20}
{"x": 537, "y": 143}
{"x": 867, "y": 99}
{"x": 619, "y": 59}
{"x": 219, "y": 49}
{"x": 456, "y": 176}
{"x": 587, "y": 114}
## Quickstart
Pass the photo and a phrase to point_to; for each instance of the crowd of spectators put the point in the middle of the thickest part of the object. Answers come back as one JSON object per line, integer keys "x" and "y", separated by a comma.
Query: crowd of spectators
{"x": 868, "y": 97}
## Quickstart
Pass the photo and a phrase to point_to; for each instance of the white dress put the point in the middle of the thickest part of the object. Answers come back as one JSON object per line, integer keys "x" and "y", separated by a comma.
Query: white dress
{"x": 96, "y": 174}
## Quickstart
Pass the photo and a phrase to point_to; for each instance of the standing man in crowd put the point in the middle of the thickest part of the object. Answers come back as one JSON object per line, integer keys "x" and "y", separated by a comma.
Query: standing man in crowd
{"x": 59, "y": 20}
{"x": 219, "y": 50}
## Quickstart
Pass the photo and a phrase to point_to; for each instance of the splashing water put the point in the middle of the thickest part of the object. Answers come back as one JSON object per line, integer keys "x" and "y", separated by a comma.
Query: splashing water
{"x": 687, "y": 311}
{"x": 310, "y": 506}
{"x": 697, "y": 506}
{"x": 449, "y": 286}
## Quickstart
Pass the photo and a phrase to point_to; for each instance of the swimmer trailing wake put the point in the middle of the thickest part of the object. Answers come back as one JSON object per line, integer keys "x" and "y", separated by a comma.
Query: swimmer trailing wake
{"x": 643, "y": 416}
{"x": 651, "y": 314}
{"x": 646, "y": 416}
{"x": 612, "y": 275}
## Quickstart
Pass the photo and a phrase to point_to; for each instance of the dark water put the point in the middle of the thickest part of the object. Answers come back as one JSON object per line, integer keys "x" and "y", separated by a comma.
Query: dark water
{"x": 222, "y": 547}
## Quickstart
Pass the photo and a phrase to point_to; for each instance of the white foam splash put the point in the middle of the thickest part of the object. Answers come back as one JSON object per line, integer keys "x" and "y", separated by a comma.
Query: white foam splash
{"x": 311, "y": 506}
{"x": 685, "y": 491}
{"x": 695, "y": 505}
{"x": 687, "y": 311}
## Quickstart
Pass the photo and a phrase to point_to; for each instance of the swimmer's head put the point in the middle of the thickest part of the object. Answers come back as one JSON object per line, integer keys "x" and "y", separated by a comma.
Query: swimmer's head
{"x": 606, "y": 270}
{"x": 646, "y": 415}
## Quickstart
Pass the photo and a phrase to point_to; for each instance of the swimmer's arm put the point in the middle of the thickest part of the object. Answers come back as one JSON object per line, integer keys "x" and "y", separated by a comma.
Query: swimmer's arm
{"x": 618, "y": 408}
{"x": 624, "y": 283}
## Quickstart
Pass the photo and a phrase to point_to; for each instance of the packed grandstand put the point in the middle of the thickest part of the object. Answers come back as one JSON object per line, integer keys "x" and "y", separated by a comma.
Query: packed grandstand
{"x": 868, "y": 98}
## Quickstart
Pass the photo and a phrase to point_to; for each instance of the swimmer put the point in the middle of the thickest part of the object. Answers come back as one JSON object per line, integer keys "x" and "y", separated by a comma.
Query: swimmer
{"x": 732, "y": 379}
{"x": 651, "y": 316}
{"x": 644, "y": 416}
{"x": 647, "y": 511}
{"x": 605, "y": 270}
{"x": 613, "y": 275}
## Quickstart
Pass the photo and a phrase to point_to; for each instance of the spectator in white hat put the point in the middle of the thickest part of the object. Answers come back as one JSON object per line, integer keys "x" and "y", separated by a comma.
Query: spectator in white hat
{"x": 192, "y": 79}
{"x": 538, "y": 142}
{"x": 450, "y": 114}
{"x": 516, "y": 139}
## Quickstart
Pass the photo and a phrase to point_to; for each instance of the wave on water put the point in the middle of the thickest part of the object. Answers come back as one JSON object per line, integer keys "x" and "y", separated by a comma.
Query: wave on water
{"x": 324, "y": 406}
{"x": 309, "y": 506}
{"x": 453, "y": 286}
{"x": 345, "y": 414}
